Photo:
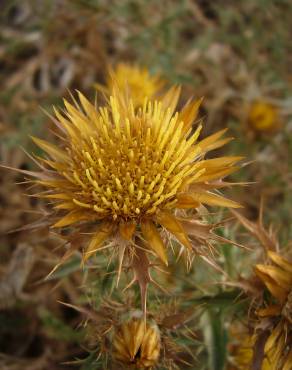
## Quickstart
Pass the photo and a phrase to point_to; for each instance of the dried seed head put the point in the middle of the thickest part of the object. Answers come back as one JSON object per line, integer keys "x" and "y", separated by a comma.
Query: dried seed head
{"x": 136, "y": 344}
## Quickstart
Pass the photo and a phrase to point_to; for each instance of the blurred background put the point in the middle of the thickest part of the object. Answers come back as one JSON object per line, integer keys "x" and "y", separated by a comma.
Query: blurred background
{"x": 237, "y": 54}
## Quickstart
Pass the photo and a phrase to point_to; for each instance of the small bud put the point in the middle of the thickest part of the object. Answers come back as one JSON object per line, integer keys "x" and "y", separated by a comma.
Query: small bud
{"x": 136, "y": 344}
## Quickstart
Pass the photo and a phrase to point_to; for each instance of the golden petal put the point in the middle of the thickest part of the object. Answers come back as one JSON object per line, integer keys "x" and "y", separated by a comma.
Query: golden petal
{"x": 189, "y": 113}
{"x": 210, "y": 199}
{"x": 281, "y": 277}
{"x": 185, "y": 201}
{"x": 104, "y": 232}
{"x": 53, "y": 164}
{"x": 209, "y": 142}
{"x": 127, "y": 335}
{"x": 280, "y": 261}
{"x": 51, "y": 149}
{"x": 78, "y": 119}
{"x": 70, "y": 218}
{"x": 74, "y": 112}
{"x": 275, "y": 289}
{"x": 172, "y": 224}
{"x": 61, "y": 184}
{"x": 273, "y": 310}
{"x": 99, "y": 87}
{"x": 150, "y": 343}
{"x": 154, "y": 240}
{"x": 218, "y": 174}
{"x": 273, "y": 338}
{"x": 62, "y": 196}
{"x": 120, "y": 347}
{"x": 170, "y": 99}
{"x": 65, "y": 205}
{"x": 137, "y": 338}
{"x": 220, "y": 162}
{"x": 214, "y": 175}
{"x": 71, "y": 130}
{"x": 87, "y": 106}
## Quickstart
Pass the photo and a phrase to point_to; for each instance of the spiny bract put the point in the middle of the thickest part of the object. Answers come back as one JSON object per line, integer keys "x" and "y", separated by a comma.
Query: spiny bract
{"x": 131, "y": 169}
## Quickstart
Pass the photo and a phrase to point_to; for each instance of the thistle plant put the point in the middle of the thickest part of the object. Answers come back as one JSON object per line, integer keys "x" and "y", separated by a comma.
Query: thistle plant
{"x": 131, "y": 177}
{"x": 122, "y": 254}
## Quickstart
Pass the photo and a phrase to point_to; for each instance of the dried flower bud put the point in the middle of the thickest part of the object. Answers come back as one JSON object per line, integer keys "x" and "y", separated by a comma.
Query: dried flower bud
{"x": 135, "y": 344}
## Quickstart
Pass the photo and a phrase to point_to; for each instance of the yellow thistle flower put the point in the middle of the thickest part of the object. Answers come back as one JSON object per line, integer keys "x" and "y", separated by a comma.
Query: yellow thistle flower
{"x": 263, "y": 116}
{"x": 132, "y": 174}
{"x": 277, "y": 316}
{"x": 134, "y": 79}
{"x": 136, "y": 344}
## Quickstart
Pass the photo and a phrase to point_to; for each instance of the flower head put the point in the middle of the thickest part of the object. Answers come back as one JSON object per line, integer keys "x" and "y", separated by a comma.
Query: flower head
{"x": 127, "y": 171}
{"x": 136, "y": 344}
{"x": 276, "y": 317}
{"x": 134, "y": 79}
{"x": 263, "y": 116}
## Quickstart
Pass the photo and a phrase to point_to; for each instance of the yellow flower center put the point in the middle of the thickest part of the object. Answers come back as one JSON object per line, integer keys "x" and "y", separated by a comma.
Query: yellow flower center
{"x": 127, "y": 168}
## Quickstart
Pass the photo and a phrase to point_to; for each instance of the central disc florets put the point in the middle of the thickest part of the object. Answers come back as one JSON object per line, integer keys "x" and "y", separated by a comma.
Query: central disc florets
{"x": 127, "y": 168}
